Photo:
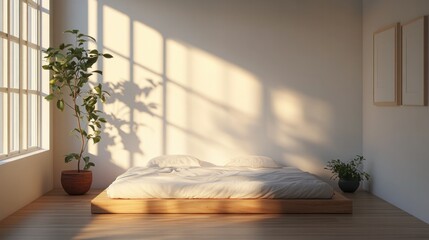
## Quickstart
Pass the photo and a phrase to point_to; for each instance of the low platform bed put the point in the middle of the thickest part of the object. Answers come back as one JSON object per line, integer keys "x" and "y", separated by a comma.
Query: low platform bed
{"x": 337, "y": 204}
{"x": 251, "y": 184}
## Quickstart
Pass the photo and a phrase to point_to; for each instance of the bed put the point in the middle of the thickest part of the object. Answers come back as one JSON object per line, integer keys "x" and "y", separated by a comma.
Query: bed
{"x": 184, "y": 184}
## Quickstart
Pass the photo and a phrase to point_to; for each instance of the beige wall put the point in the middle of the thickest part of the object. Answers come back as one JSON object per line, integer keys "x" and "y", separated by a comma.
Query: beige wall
{"x": 395, "y": 139}
{"x": 24, "y": 180}
{"x": 277, "y": 78}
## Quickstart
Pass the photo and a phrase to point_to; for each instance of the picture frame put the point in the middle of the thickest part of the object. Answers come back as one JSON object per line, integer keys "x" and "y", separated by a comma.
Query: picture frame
{"x": 386, "y": 66}
{"x": 414, "y": 62}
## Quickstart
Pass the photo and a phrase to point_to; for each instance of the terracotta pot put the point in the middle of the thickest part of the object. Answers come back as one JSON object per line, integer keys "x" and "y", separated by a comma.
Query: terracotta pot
{"x": 76, "y": 183}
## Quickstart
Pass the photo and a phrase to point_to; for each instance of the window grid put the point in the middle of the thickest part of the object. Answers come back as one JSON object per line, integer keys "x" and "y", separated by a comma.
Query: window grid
{"x": 28, "y": 135}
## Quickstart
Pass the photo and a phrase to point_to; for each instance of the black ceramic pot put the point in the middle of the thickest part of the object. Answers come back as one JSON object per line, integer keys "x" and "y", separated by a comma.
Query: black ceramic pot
{"x": 348, "y": 186}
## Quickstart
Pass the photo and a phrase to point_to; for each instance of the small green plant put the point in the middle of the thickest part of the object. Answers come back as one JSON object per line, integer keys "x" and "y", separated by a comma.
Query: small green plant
{"x": 70, "y": 66}
{"x": 348, "y": 171}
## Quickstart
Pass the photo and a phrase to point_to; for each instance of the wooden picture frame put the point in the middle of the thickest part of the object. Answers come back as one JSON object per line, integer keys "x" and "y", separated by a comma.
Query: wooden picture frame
{"x": 414, "y": 62}
{"x": 386, "y": 69}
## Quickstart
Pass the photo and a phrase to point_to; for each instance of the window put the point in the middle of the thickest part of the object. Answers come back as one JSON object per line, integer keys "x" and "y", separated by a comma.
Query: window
{"x": 24, "y": 33}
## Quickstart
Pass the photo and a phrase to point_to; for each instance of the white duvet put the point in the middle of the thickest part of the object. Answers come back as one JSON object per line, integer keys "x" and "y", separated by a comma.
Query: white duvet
{"x": 218, "y": 182}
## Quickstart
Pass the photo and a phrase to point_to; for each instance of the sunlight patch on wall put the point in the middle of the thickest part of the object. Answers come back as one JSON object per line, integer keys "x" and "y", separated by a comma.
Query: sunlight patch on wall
{"x": 300, "y": 125}
{"x": 213, "y": 109}
{"x": 244, "y": 91}
{"x": 133, "y": 133}
{"x": 92, "y": 21}
{"x": 147, "y": 47}
{"x": 118, "y": 112}
{"x": 177, "y": 65}
{"x": 211, "y": 105}
{"x": 299, "y": 116}
{"x": 288, "y": 117}
{"x": 207, "y": 75}
{"x": 145, "y": 100}
{"x": 116, "y": 31}
{"x": 178, "y": 62}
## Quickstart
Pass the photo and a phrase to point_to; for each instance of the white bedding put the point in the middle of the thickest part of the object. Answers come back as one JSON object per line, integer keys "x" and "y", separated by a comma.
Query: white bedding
{"x": 218, "y": 182}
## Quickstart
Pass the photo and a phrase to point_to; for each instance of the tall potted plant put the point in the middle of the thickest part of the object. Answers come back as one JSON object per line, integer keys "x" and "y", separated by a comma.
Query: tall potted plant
{"x": 71, "y": 66}
{"x": 350, "y": 174}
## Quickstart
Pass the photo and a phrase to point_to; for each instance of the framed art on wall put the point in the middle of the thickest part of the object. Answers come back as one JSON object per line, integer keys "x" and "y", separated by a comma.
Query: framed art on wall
{"x": 386, "y": 57}
{"x": 414, "y": 62}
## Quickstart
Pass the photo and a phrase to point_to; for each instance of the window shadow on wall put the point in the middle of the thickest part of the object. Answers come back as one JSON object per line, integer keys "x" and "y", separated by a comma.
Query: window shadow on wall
{"x": 211, "y": 103}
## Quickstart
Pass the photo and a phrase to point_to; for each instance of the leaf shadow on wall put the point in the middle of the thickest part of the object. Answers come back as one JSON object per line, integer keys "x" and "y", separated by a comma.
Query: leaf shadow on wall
{"x": 121, "y": 131}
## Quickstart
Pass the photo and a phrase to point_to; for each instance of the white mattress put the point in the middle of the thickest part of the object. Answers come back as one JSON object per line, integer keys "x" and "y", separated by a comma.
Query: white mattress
{"x": 218, "y": 182}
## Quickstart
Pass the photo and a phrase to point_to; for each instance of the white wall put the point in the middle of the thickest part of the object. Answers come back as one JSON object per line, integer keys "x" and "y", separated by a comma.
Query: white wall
{"x": 277, "y": 78}
{"x": 395, "y": 139}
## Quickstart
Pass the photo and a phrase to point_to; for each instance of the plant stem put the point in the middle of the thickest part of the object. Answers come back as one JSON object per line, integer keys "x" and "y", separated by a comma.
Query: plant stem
{"x": 82, "y": 145}
{"x": 81, "y": 135}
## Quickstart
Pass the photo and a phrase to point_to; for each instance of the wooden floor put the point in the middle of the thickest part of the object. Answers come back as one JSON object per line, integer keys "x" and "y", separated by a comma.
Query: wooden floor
{"x": 58, "y": 216}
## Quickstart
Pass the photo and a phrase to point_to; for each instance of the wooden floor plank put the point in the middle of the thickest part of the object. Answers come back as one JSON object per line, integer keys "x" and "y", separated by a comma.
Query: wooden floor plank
{"x": 59, "y": 216}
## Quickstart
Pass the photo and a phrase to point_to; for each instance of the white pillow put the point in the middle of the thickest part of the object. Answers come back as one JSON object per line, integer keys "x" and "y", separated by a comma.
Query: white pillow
{"x": 174, "y": 161}
{"x": 253, "y": 162}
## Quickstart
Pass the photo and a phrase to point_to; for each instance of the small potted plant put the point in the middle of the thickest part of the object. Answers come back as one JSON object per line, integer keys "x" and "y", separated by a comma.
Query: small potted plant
{"x": 350, "y": 174}
{"x": 71, "y": 66}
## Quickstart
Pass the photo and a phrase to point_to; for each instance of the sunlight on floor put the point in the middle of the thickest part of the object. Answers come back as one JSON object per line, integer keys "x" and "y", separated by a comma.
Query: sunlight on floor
{"x": 182, "y": 223}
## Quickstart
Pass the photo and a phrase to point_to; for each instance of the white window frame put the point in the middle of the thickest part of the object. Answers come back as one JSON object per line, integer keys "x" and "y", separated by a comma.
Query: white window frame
{"x": 24, "y": 91}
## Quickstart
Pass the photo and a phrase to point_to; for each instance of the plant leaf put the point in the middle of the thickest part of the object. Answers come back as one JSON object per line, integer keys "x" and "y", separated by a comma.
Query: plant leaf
{"x": 74, "y": 31}
{"x": 49, "y": 97}
{"x": 98, "y": 88}
{"x": 70, "y": 157}
{"x": 60, "y": 104}
{"x": 96, "y": 139}
{"x": 88, "y": 165}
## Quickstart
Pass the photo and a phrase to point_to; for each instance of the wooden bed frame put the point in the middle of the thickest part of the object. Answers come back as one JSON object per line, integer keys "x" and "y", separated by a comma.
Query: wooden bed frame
{"x": 338, "y": 204}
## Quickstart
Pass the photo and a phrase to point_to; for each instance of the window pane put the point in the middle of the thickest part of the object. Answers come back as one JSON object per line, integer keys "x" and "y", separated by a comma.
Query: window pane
{"x": 32, "y": 120}
{"x": 24, "y": 20}
{"x": 24, "y": 120}
{"x": 24, "y": 67}
{"x": 14, "y": 17}
{"x": 44, "y": 30}
{"x": 14, "y": 65}
{"x": 32, "y": 25}
{"x": 3, "y": 123}
{"x": 22, "y": 82}
{"x": 45, "y": 4}
{"x": 44, "y": 76}
{"x": 3, "y": 18}
{"x": 3, "y": 63}
{"x": 14, "y": 122}
{"x": 32, "y": 69}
